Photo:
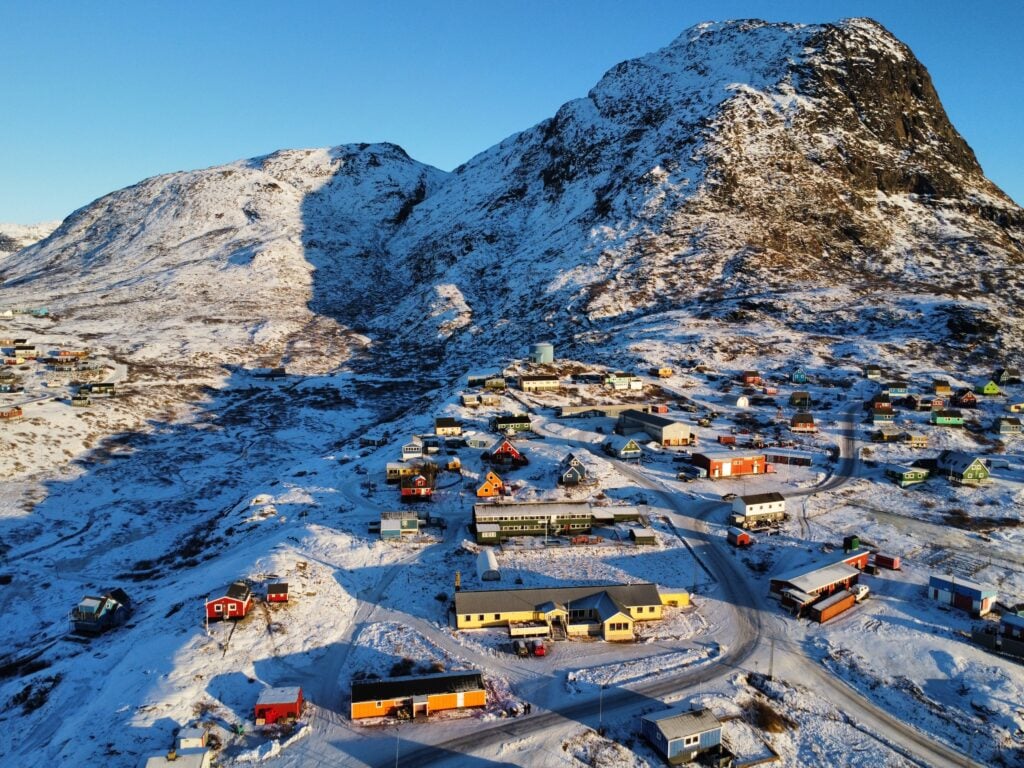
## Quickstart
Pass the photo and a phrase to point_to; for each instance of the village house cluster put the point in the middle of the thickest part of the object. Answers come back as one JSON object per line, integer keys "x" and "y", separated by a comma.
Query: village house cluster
{"x": 476, "y": 453}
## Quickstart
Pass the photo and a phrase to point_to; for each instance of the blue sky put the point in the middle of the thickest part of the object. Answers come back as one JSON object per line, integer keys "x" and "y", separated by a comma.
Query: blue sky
{"x": 95, "y": 96}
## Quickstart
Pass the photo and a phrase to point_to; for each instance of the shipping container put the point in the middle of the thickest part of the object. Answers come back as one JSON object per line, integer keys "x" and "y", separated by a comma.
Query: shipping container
{"x": 832, "y": 606}
{"x": 850, "y": 543}
{"x": 892, "y": 562}
{"x": 727, "y": 439}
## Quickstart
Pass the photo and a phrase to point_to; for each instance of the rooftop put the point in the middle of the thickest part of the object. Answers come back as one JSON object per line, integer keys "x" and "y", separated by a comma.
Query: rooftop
{"x": 762, "y": 498}
{"x": 678, "y": 724}
{"x": 511, "y": 600}
{"x": 416, "y": 685}
{"x": 282, "y": 695}
{"x": 811, "y": 579}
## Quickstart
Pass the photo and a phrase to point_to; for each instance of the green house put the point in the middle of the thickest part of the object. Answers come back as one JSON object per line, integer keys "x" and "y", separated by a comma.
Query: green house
{"x": 962, "y": 468}
{"x": 948, "y": 418}
{"x": 987, "y": 387}
{"x": 906, "y": 476}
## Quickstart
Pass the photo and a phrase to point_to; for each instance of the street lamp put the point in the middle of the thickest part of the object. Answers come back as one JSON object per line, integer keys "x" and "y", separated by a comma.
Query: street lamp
{"x": 600, "y": 710}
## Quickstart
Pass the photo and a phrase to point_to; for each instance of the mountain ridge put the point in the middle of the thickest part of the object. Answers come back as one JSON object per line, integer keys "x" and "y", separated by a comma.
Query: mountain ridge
{"x": 742, "y": 154}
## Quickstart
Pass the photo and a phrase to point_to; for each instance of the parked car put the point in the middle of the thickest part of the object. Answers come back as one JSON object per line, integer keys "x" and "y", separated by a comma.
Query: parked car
{"x": 860, "y": 592}
{"x": 538, "y": 648}
{"x": 519, "y": 648}
{"x": 729, "y": 497}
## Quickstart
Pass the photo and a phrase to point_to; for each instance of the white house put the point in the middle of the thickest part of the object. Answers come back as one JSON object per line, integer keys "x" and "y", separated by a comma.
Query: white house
{"x": 412, "y": 450}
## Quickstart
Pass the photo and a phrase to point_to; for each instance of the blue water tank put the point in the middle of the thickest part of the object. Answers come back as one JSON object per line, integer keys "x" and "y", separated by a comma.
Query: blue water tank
{"x": 542, "y": 353}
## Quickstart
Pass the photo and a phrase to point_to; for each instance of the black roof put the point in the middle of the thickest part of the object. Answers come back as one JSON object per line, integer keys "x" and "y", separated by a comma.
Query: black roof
{"x": 280, "y": 588}
{"x": 237, "y": 590}
{"x": 520, "y": 419}
{"x": 416, "y": 685}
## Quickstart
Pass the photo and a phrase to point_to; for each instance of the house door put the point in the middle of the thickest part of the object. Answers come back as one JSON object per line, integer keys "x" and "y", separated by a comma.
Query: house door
{"x": 460, "y": 699}
{"x": 726, "y": 468}
{"x": 963, "y": 601}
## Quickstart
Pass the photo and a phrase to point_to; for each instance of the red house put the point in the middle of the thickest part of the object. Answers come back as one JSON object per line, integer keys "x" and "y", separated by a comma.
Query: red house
{"x": 275, "y": 704}
{"x": 233, "y": 602}
{"x": 965, "y": 398}
{"x": 505, "y": 453}
{"x": 751, "y": 377}
{"x": 415, "y": 487}
{"x": 277, "y": 592}
{"x": 719, "y": 464}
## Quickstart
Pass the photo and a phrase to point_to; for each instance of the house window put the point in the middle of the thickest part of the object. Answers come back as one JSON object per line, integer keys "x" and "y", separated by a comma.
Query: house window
{"x": 480, "y": 617}
{"x": 380, "y": 704}
{"x": 219, "y": 608}
{"x": 468, "y": 617}
{"x": 690, "y": 741}
{"x": 497, "y": 617}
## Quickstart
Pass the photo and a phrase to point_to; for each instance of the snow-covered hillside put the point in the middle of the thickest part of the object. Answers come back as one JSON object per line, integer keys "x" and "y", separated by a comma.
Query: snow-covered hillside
{"x": 732, "y": 175}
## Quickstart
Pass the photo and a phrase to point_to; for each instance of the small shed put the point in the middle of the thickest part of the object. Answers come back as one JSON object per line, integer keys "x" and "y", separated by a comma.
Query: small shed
{"x": 277, "y": 592}
{"x": 277, "y": 704}
{"x": 487, "y": 565}
{"x": 738, "y": 537}
{"x": 393, "y": 525}
{"x": 643, "y": 536}
{"x": 191, "y": 738}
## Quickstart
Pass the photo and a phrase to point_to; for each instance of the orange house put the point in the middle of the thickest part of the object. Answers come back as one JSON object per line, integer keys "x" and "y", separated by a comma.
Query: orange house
{"x": 492, "y": 486}
{"x": 419, "y": 695}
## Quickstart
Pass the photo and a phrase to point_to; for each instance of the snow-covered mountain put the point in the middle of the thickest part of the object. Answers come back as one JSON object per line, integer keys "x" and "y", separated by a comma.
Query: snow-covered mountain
{"x": 749, "y": 176}
{"x": 14, "y": 237}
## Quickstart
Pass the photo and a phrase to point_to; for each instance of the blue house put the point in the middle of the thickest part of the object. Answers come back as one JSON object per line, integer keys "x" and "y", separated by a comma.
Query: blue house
{"x": 681, "y": 735}
{"x": 799, "y": 376}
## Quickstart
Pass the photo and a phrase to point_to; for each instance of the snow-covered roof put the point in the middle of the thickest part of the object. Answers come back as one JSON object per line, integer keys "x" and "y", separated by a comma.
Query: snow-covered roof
{"x": 281, "y": 695}
{"x": 678, "y": 724}
{"x": 817, "y": 578}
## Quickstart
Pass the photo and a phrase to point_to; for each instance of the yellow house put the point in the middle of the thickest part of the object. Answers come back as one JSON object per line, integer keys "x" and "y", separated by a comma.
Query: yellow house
{"x": 608, "y": 611}
{"x": 446, "y": 426}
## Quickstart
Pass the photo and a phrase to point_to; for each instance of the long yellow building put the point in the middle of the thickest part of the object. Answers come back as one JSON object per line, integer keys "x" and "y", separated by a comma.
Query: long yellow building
{"x": 606, "y": 610}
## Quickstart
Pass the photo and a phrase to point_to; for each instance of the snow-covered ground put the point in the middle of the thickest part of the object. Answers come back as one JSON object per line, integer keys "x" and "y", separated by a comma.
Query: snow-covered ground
{"x": 227, "y": 489}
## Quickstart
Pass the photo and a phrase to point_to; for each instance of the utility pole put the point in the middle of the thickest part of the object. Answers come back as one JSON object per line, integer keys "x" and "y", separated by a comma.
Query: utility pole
{"x": 600, "y": 711}
{"x": 398, "y": 741}
{"x": 771, "y": 663}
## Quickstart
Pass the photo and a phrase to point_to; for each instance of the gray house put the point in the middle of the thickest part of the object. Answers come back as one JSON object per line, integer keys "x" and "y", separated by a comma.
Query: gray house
{"x": 681, "y": 735}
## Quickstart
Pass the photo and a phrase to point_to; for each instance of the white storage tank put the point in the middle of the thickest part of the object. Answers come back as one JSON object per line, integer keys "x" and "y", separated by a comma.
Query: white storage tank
{"x": 487, "y": 565}
{"x": 542, "y": 353}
